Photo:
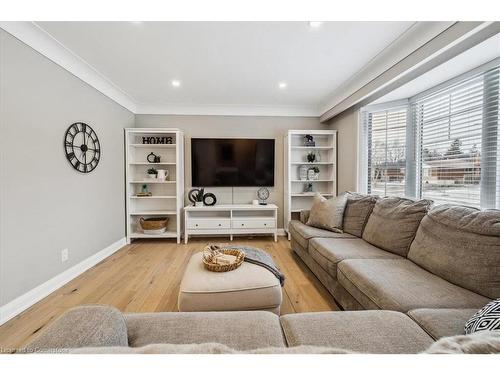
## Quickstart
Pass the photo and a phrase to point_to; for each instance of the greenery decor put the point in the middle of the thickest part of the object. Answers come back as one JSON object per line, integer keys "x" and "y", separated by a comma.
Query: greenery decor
{"x": 152, "y": 171}
{"x": 311, "y": 157}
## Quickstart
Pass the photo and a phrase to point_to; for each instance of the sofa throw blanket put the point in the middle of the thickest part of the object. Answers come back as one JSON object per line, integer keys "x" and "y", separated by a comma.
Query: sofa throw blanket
{"x": 261, "y": 258}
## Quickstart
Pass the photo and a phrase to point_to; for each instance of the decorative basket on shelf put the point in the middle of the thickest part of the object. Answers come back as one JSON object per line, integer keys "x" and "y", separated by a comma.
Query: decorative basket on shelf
{"x": 212, "y": 254}
{"x": 153, "y": 225}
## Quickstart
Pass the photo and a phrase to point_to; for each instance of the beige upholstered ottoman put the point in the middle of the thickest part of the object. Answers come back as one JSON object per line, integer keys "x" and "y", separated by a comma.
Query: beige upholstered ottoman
{"x": 249, "y": 287}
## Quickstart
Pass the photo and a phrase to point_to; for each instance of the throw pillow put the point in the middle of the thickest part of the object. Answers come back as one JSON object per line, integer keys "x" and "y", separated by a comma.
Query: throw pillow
{"x": 357, "y": 211}
{"x": 486, "y": 319}
{"x": 327, "y": 213}
{"x": 393, "y": 223}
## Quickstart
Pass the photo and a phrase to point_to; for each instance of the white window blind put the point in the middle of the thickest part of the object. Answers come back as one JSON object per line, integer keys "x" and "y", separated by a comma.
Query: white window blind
{"x": 457, "y": 130}
{"x": 386, "y": 142}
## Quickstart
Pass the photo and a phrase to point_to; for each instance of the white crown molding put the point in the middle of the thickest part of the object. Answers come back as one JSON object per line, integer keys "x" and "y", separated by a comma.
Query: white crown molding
{"x": 42, "y": 42}
{"x": 454, "y": 40}
{"x": 227, "y": 110}
{"x": 38, "y": 39}
{"x": 28, "y": 299}
{"x": 414, "y": 37}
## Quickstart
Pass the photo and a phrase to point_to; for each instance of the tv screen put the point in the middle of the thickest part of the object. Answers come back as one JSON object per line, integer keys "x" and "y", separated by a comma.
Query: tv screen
{"x": 232, "y": 162}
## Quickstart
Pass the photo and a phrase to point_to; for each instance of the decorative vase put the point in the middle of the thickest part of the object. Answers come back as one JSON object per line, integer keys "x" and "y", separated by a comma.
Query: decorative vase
{"x": 311, "y": 174}
{"x": 162, "y": 174}
{"x": 303, "y": 172}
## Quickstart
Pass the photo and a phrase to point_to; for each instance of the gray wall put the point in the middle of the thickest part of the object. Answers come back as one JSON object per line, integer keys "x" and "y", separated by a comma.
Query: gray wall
{"x": 346, "y": 125}
{"x": 237, "y": 127}
{"x": 45, "y": 205}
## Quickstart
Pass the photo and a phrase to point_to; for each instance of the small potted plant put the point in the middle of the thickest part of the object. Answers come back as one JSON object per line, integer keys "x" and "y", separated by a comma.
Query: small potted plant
{"x": 152, "y": 172}
{"x": 198, "y": 197}
{"x": 311, "y": 157}
{"x": 313, "y": 173}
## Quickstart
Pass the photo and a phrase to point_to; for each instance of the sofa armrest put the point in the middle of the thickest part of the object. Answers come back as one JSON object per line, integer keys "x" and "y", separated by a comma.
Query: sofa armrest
{"x": 304, "y": 216}
{"x": 84, "y": 326}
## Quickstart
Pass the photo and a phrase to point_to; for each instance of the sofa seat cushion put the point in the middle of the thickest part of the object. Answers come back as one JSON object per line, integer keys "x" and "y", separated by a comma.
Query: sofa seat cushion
{"x": 401, "y": 285}
{"x": 361, "y": 331}
{"x": 302, "y": 233}
{"x": 461, "y": 245}
{"x": 357, "y": 211}
{"x": 442, "y": 322}
{"x": 240, "y": 330}
{"x": 328, "y": 252}
{"x": 393, "y": 223}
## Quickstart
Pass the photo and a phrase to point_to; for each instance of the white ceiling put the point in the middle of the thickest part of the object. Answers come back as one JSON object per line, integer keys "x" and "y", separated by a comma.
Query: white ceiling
{"x": 226, "y": 64}
{"x": 468, "y": 60}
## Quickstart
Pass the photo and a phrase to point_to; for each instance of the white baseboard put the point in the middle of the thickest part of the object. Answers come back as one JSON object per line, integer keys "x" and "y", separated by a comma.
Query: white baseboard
{"x": 28, "y": 299}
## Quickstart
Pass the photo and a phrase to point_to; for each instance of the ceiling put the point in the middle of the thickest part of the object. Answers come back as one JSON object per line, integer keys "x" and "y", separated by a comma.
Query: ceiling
{"x": 226, "y": 64}
{"x": 468, "y": 60}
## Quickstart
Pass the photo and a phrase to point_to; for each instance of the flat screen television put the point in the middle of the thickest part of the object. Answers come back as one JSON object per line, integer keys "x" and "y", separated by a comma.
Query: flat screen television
{"x": 232, "y": 162}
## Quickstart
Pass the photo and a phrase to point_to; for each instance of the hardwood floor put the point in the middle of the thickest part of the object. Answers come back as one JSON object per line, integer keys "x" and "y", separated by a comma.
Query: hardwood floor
{"x": 145, "y": 277}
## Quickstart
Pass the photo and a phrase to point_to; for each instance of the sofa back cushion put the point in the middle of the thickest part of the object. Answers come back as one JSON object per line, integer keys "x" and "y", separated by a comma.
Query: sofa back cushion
{"x": 461, "y": 245}
{"x": 393, "y": 223}
{"x": 357, "y": 211}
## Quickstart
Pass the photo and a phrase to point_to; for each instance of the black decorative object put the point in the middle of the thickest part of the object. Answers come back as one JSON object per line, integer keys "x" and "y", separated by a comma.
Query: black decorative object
{"x": 153, "y": 158}
{"x": 309, "y": 141}
{"x": 82, "y": 147}
{"x": 209, "y": 199}
{"x": 263, "y": 195}
{"x": 311, "y": 157}
{"x": 195, "y": 196}
{"x": 157, "y": 140}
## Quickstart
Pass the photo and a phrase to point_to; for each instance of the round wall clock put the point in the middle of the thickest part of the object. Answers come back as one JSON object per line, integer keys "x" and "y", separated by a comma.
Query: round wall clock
{"x": 82, "y": 147}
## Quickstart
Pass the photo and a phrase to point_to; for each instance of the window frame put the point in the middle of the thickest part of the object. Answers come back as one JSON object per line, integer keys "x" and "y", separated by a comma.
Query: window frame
{"x": 413, "y": 173}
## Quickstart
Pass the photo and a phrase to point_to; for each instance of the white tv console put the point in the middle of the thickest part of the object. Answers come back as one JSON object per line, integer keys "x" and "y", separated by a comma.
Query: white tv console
{"x": 231, "y": 219}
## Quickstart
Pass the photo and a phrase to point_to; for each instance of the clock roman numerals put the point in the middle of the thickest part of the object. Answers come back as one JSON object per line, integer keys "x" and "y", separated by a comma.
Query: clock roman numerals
{"x": 82, "y": 147}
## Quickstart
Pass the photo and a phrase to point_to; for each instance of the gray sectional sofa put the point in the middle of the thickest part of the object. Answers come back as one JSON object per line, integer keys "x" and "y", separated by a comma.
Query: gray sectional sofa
{"x": 436, "y": 264}
{"x": 103, "y": 329}
{"x": 414, "y": 273}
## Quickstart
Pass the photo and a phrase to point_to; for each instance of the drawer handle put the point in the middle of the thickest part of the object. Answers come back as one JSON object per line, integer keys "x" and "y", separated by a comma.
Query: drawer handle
{"x": 196, "y": 225}
{"x": 265, "y": 224}
{"x": 242, "y": 225}
{"x": 220, "y": 225}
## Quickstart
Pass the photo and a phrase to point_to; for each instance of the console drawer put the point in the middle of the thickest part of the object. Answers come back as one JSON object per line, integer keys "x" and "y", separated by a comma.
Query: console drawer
{"x": 253, "y": 223}
{"x": 208, "y": 223}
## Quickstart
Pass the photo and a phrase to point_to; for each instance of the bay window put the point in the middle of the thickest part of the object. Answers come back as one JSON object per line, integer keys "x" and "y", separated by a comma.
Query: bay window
{"x": 443, "y": 144}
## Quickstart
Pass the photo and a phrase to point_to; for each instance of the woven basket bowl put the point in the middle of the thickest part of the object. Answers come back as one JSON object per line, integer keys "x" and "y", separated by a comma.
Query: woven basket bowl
{"x": 207, "y": 261}
{"x": 153, "y": 223}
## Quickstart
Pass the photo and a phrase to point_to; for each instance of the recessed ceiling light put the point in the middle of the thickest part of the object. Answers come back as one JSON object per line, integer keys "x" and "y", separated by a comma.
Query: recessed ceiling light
{"x": 282, "y": 85}
{"x": 315, "y": 24}
{"x": 176, "y": 83}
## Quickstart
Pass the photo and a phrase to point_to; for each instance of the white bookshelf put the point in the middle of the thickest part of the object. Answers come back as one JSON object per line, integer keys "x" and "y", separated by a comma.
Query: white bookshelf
{"x": 167, "y": 197}
{"x": 296, "y": 199}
